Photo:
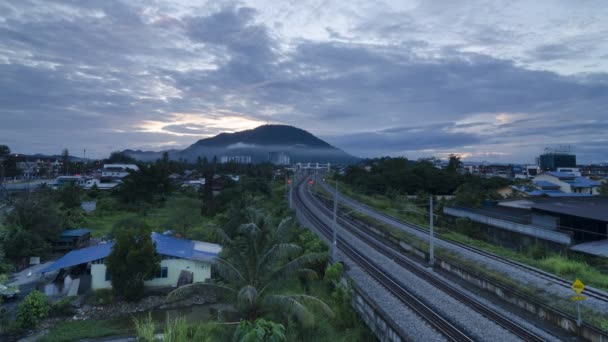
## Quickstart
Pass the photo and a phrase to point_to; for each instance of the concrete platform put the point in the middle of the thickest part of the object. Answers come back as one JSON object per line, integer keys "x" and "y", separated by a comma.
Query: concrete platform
{"x": 599, "y": 248}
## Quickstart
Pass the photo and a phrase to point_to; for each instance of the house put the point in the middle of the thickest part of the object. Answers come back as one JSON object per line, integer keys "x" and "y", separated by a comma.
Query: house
{"x": 570, "y": 183}
{"x": 73, "y": 239}
{"x": 183, "y": 261}
{"x": 117, "y": 171}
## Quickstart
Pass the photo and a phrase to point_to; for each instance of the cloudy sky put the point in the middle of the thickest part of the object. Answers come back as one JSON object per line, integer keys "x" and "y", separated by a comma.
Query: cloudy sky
{"x": 492, "y": 80}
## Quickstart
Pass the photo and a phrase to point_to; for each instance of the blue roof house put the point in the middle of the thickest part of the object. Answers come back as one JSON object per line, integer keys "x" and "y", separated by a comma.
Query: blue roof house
{"x": 567, "y": 183}
{"x": 183, "y": 262}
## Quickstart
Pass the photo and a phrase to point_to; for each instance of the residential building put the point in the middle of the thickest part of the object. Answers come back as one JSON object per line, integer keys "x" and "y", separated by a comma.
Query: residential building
{"x": 235, "y": 159}
{"x": 278, "y": 158}
{"x": 183, "y": 261}
{"x": 73, "y": 239}
{"x": 569, "y": 183}
{"x": 117, "y": 171}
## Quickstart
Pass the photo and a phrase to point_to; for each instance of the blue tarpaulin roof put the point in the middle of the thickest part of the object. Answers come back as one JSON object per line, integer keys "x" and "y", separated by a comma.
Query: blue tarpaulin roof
{"x": 546, "y": 184}
{"x": 165, "y": 245}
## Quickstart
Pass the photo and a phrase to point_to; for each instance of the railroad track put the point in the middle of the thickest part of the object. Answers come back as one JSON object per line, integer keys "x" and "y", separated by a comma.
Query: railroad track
{"x": 590, "y": 292}
{"x": 437, "y": 321}
{"x": 392, "y": 252}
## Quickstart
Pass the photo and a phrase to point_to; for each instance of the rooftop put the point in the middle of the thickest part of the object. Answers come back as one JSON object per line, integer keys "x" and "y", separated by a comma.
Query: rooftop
{"x": 165, "y": 245}
{"x": 594, "y": 208}
{"x": 75, "y": 232}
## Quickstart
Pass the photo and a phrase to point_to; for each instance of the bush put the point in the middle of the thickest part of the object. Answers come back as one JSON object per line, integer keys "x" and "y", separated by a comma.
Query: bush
{"x": 333, "y": 273}
{"x": 106, "y": 204}
{"x": 144, "y": 328}
{"x": 32, "y": 310}
{"x": 62, "y": 308}
{"x": 101, "y": 297}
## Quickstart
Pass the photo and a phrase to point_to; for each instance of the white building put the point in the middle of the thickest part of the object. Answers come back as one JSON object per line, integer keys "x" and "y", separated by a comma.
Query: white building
{"x": 117, "y": 170}
{"x": 279, "y": 158}
{"x": 186, "y": 259}
{"x": 569, "y": 183}
{"x": 235, "y": 159}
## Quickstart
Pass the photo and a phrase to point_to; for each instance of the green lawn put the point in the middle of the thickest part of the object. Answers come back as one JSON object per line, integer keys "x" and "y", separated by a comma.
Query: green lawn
{"x": 77, "y": 330}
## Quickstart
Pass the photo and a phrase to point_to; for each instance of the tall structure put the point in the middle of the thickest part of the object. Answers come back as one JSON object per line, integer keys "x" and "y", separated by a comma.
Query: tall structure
{"x": 235, "y": 159}
{"x": 554, "y": 158}
{"x": 278, "y": 158}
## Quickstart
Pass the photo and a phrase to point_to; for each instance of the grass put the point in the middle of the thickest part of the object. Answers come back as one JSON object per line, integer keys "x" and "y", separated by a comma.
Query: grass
{"x": 77, "y": 330}
{"x": 562, "y": 265}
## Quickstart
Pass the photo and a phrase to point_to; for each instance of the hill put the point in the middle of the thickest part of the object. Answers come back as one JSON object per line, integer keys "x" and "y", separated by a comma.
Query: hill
{"x": 299, "y": 144}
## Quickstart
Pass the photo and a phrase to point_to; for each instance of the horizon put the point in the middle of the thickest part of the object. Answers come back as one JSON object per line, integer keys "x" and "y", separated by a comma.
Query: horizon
{"x": 495, "y": 82}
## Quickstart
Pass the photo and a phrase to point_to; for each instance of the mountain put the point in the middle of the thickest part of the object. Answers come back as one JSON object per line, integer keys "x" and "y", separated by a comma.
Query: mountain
{"x": 300, "y": 145}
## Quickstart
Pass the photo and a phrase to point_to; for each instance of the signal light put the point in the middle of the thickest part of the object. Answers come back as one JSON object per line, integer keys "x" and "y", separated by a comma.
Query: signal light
{"x": 311, "y": 182}
{"x": 289, "y": 181}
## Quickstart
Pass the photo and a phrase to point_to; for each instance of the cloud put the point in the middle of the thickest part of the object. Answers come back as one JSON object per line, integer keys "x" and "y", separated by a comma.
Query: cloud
{"x": 388, "y": 78}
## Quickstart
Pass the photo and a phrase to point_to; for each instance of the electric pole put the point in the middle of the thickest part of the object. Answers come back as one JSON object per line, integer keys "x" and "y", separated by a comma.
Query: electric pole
{"x": 334, "y": 227}
{"x": 432, "y": 235}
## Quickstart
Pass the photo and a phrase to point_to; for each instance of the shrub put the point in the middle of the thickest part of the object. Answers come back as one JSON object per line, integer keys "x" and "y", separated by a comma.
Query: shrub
{"x": 260, "y": 330}
{"x": 62, "y": 308}
{"x": 106, "y": 204}
{"x": 333, "y": 273}
{"x": 32, "y": 310}
{"x": 144, "y": 328}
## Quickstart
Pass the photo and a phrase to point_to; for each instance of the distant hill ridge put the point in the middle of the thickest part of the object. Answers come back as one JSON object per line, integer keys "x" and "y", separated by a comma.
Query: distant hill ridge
{"x": 301, "y": 146}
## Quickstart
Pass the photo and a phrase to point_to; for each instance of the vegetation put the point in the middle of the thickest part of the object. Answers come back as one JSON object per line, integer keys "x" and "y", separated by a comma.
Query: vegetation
{"x": 32, "y": 310}
{"x": 259, "y": 331}
{"x": 78, "y": 330}
{"x": 132, "y": 261}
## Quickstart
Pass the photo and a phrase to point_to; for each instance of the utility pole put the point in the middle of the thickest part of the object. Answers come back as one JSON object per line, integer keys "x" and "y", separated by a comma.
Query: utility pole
{"x": 334, "y": 227}
{"x": 290, "y": 181}
{"x": 432, "y": 235}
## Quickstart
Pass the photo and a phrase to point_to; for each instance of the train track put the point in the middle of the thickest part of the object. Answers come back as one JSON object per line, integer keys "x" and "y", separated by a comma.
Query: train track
{"x": 437, "y": 321}
{"x": 590, "y": 292}
{"x": 392, "y": 252}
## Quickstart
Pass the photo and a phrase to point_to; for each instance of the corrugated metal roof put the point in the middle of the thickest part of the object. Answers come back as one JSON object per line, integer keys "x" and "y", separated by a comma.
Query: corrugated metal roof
{"x": 80, "y": 256}
{"x": 583, "y": 182}
{"x": 165, "y": 245}
{"x": 75, "y": 232}
{"x": 561, "y": 174}
{"x": 594, "y": 208}
{"x": 546, "y": 184}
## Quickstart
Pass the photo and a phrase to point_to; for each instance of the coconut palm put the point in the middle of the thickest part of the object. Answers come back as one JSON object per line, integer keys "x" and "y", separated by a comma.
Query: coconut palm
{"x": 254, "y": 263}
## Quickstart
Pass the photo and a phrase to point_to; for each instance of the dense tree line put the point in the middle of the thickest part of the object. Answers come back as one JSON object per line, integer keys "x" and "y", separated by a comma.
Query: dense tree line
{"x": 400, "y": 176}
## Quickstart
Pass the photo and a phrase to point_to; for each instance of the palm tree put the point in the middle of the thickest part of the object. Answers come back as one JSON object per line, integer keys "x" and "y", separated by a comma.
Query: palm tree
{"x": 257, "y": 260}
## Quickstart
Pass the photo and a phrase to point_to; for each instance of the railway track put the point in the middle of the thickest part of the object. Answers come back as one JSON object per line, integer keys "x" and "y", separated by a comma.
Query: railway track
{"x": 590, "y": 292}
{"x": 438, "y": 322}
{"x": 411, "y": 266}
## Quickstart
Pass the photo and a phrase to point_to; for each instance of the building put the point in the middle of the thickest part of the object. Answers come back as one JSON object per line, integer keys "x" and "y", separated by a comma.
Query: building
{"x": 278, "y": 158}
{"x": 569, "y": 183}
{"x": 183, "y": 262}
{"x": 235, "y": 159}
{"x": 73, "y": 239}
{"x": 117, "y": 171}
{"x": 553, "y": 159}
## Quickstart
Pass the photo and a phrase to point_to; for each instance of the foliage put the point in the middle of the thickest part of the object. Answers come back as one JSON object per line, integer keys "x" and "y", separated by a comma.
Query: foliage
{"x": 183, "y": 215}
{"x": 33, "y": 309}
{"x": 32, "y": 225}
{"x": 144, "y": 328}
{"x": 87, "y": 329}
{"x": 69, "y": 196}
{"x": 62, "y": 307}
{"x": 475, "y": 190}
{"x": 256, "y": 260}
{"x": 259, "y": 331}
{"x": 132, "y": 261}
{"x": 119, "y": 158}
{"x": 149, "y": 184}
{"x": 604, "y": 189}
{"x": 333, "y": 273}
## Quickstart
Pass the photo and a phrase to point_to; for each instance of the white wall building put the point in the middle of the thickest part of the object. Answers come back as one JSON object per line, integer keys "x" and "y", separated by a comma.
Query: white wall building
{"x": 117, "y": 170}
{"x": 188, "y": 259}
{"x": 570, "y": 183}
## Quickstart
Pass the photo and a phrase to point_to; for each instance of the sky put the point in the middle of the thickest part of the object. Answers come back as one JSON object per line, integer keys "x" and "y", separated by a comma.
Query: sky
{"x": 491, "y": 80}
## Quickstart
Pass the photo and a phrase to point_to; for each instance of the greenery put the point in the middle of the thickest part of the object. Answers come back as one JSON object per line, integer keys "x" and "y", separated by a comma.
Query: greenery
{"x": 61, "y": 308}
{"x": 78, "y": 330}
{"x": 257, "y": 259}
{"x": 259, "y": 331}
{"x": 145, "y": 328}
{"x": 33, "y": 309}
{"x": 132, "y": 261}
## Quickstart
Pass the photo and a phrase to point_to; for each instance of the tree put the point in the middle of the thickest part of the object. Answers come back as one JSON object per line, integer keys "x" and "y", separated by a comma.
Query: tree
{"x": 4, "y": 150}
{"x": 149, "y": 184}
{"x": 132, "y": 261}
{"x": 454, "y": 163}
{"x": 604, "y": 189}
{"x": 33, "y": 224}
{"x": 65, "y": 161}
{"x": 184, "y": 214}
{"x": 255, "y": 262}
{"x": 119, "y": 158}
